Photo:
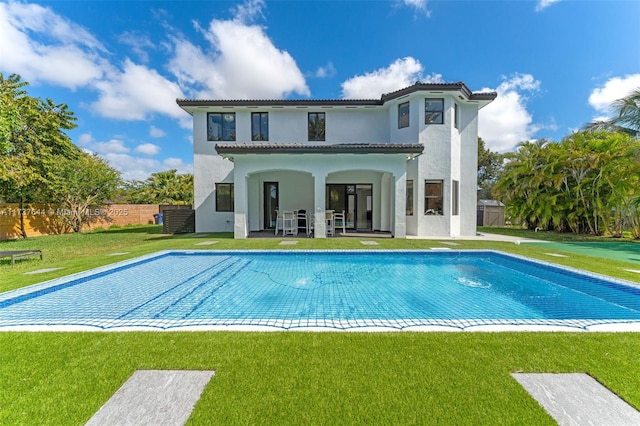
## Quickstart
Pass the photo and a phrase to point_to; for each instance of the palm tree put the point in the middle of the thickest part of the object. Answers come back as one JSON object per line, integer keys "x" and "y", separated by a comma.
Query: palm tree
{"x": 626, "y": 116}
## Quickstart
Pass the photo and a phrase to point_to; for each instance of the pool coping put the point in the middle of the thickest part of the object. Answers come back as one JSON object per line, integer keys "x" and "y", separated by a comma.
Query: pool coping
{"x": 412, "y": 325}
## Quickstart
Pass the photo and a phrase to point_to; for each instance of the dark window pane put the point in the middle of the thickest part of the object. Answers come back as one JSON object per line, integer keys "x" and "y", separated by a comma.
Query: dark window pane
{"x": 403, "y": 115}
{"x": 224, "y": 197}
{"x": 221, "y": 127}
{"x": 456, "y": 116}
{"x": 264, "y": 125}
{"x": 455, "y": 198}
{"x": 260, "y": 126}
{"x": 316, "y": 126}
{"x": 433, "y": 111}
{"x": 229, "y": 127}
{"x": 409, "y": 198}
{"x": 433, "y": 197}
{"x": 214, "y": 127}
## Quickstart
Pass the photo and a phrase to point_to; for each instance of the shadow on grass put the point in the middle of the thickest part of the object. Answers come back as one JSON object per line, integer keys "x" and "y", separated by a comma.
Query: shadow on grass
{"x": 217, "y": 235}
{"x": 148, "y": 229}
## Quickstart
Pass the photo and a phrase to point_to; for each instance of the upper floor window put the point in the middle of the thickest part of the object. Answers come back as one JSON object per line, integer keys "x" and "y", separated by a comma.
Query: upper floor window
{"x": 221, "y": 126}
{"x": 433, "y": 197}
{"x": 433, "y": 111}
{"x": 316, "y": 126}
{"x": 259, "y": 126}
{"x": 456, "y": 116}
{"x": 403, "y": 115}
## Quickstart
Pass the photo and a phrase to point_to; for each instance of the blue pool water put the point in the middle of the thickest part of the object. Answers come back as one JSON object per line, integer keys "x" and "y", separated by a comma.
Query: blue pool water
{"x": 332, "y": 290}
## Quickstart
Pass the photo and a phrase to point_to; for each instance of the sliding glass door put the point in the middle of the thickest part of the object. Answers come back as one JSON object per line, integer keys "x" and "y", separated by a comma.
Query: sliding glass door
{"x": 271, "y": 201}
{"x": 355, "y": 200}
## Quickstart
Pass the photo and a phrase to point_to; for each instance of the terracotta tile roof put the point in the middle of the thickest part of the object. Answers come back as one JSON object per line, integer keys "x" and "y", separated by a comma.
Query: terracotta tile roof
{"x": 308, "y": 148}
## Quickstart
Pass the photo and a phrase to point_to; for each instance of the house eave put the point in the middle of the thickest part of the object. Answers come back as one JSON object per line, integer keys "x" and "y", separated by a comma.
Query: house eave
{"x": 227, "y": 149}
{"x": 463, "y": 93}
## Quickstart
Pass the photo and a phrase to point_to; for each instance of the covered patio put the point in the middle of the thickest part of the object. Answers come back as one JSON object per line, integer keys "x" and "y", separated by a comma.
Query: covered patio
{"x": 366, "y": 181}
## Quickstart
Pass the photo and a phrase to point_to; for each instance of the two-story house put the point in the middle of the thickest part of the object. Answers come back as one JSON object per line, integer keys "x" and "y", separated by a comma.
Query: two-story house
{"x": 405, "y": 163}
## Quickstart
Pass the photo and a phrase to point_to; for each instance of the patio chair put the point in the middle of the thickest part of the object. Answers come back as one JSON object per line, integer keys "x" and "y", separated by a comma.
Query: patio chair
{"x": 289, "y": 223}
{"x": 301, "y": 216}
{"x": 279, "y": 222}
{"x": 339, "y": 221}
{"x": 310, "y": 223}
{"x": 330, "y": 223}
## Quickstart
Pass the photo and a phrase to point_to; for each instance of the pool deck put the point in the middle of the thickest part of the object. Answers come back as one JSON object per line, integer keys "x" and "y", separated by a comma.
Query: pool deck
{"x": 481, "y": 236}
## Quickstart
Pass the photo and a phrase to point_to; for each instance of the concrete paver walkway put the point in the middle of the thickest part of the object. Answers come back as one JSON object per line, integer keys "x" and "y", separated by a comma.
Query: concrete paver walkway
{"x": 154, "y": 397}
{"x": 577, "y": 399}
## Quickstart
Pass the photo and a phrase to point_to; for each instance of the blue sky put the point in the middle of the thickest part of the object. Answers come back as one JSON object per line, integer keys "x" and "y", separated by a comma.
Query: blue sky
{"x": 556, "y": 64}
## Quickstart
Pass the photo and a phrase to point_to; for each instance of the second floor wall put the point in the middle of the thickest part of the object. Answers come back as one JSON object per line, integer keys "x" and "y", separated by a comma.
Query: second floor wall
{"x": 412, "y": 119}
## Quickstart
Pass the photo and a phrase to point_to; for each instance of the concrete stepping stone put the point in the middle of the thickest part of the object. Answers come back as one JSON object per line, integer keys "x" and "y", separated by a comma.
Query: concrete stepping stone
{"x": 41, "y": 271}
{"x": 154, "y": 397}
{"x": 449, "y": 243}
{"x": 288, "y": 243}
{"x": 206, "y": 243}
{"x": 369, "y": 243}
{"x": 120, "y": 253}
{"x": 637, "y": 271}
{"x": 577, "y": 399}
{"x": 556, "y": 255}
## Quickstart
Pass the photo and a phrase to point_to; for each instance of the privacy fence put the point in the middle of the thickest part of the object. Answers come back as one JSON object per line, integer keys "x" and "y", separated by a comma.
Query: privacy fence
{"x": 45, "y": 219}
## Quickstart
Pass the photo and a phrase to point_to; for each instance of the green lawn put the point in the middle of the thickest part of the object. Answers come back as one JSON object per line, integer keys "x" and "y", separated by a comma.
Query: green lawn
{"x": 298, "y": 377}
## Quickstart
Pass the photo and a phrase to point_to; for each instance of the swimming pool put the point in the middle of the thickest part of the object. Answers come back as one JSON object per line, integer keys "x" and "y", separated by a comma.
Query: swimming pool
{"x": 326, "y": 290}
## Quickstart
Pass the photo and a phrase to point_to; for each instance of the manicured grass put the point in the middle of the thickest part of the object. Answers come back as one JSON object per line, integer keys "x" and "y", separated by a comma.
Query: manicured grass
{"x": 312, "y": 378}
{"x": 298, "y": 377}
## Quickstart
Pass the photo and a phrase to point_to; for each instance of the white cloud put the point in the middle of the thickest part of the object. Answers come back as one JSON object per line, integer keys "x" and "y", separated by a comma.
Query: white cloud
{"x": 401, "y": 73}
{"x": 178, "y": 164}
{"x": 137, "y": 92}
{"x": 112, "y": 146}
{"x": 147, "y": 149}
{"x": 249, "y": 11}
{"x": 140, "y": 44}
{"x": 85, "y": 139}
{"x": 327, "y": 71}
{"x": 132, "y": 167}
{"x": 543, "y": 4}
{"x": 43, "y": 46}
{"x": 242, "y": 63}
{"x": 154, "y": 132}
{"x": 505, "y": 122}
{"x": 615, "y": 88}
{"x": 419, "y": 6}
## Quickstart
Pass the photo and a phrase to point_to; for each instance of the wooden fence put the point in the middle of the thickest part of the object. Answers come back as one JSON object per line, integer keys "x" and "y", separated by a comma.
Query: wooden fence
{"x": 43, "y": 219}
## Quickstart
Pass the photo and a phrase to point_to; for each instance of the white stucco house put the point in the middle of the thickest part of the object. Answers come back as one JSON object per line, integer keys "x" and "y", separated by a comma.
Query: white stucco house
{"x": 405, "y": 163}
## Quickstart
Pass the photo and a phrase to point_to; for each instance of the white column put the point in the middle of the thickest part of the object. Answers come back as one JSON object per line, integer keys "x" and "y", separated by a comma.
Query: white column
{"x": 400, "y": 210}
{"x": 241, "y": 205}
{"x": 319, "y": 189}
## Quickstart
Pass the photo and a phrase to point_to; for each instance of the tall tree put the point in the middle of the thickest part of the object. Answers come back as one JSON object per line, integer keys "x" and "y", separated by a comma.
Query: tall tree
{"x": 32, "y": 137}
{"x": 490, "y": 165}
{"x": 166, "y": 187}
{"x": 587, "y": 183}
{"x": 625, "y": 116}
{"x": 80, "y": 185}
